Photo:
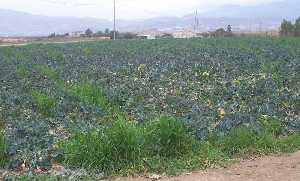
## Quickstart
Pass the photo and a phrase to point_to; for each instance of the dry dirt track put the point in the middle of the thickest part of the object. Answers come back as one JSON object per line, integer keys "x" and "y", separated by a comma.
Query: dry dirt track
{"x": 285, "y": 167}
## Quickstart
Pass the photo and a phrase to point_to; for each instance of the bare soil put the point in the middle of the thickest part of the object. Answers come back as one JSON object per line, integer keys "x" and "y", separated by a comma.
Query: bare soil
{"x": 284, "y": 167}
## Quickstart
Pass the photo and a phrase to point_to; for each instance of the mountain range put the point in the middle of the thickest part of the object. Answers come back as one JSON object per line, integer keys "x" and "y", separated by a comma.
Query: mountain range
{"x": 242, "y": 18}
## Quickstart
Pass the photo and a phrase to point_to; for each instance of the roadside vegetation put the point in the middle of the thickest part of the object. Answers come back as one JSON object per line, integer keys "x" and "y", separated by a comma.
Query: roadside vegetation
{"x": 3, "y": 145}
{"x": 164, "y": 145}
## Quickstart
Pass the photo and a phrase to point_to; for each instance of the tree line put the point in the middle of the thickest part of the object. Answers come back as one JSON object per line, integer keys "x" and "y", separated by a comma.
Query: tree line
{"x": 287, "y": 28}
{"x": 106, "y": 33}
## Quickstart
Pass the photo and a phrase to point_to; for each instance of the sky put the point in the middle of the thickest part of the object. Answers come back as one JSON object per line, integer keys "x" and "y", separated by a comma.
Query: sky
{"x": 126, "y": 9}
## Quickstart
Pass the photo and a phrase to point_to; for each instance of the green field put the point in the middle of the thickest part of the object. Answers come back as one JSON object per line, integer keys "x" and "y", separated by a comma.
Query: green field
{"x": 161, "y": 106}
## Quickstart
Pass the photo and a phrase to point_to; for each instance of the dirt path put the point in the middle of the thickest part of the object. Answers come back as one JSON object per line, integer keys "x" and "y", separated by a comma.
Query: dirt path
{"x": 285, "y": 167}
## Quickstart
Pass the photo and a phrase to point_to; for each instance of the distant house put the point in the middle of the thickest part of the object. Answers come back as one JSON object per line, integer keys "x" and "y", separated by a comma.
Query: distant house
{"x": 149, "y": 34}
{"x": 103, "y": 38}
{"x": 76, "y": 34}
{"x": 144, "y": 36}
{"x": 184, "y": 34}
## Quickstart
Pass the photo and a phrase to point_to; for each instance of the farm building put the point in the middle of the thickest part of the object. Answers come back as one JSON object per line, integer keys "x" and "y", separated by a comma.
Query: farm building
{"x": 76, "y": 34}
{"x": 185, "y": 34}
{"x": 150, "y": 34}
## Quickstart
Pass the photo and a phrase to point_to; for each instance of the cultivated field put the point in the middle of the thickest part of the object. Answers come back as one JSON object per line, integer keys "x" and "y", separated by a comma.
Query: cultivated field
{"x": 131, "y": 107}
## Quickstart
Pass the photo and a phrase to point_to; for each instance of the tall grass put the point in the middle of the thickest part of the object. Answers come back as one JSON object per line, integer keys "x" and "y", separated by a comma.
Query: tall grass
{"x": 165, "y": 145}
{"x": 167, "y": 137}
{"x": 126, "y": 146}
{"x": 3, "y": 147}
{"x": 47, "y": 71}
{"x": 45, "y": 104}
{"x": 110, "y": 150}
{"x": 246, "y": 140}
{"x": 95, "y": 96}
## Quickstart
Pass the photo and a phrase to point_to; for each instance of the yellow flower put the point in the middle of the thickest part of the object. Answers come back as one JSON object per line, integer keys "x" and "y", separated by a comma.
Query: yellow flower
{"x": 205, "y": 74}
{"x": 142, "y": 68}
{"x": 222, "y": 112}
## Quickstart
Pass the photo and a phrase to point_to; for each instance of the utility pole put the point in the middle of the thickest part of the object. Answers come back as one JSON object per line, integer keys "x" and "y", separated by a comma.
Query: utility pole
{"x": 114, "y": 19}
{"x": 196, "y": 23}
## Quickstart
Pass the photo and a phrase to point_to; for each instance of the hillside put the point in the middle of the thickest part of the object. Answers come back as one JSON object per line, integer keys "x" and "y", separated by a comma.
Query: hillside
{"x": 242, "y": 18}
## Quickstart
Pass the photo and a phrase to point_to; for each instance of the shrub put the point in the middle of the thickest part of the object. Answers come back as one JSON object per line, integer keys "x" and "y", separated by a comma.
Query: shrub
{"x": 44, "y": 103}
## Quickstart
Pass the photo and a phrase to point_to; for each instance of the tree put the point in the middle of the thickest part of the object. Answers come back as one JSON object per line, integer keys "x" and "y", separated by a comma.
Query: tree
{"x": 167, "y": 35}
{"x": 52, "y": 35}
{"x": 229, "y": 29}
{"x": 106, "y": 31}
{"x": 89, "y": 32}
{"x": 111, "y": 35}
{"x": 286, "y": 28}
{"x": 219, "y": 32}
{"x": 297, "y": 27}
{"x": 99, "y": 33}
{"x": 128, "y": 35}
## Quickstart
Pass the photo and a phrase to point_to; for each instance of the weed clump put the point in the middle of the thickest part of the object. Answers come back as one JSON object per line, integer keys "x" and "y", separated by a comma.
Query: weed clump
{"x": 90, "y": 94}
{"x": 47, "y": 71}
{"x": 247, "y": 140}
{"x": 167, "y": 137}
{"x": 110, "y": 149}
{"x": 3, "y": 147}
{"x": 166, "y": 146}
{"x": 45, "y": 104}
{"x": 128, "y": 146}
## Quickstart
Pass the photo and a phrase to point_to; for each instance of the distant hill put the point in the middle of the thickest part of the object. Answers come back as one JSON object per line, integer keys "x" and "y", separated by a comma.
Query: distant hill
{"x": 13, "y": 23}
{"x": 242, "y": 18}
{"x": 278, "y": 9}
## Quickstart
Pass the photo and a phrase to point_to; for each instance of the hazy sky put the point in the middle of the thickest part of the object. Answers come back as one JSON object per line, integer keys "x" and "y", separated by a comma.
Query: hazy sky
{"x": 126, "y": 9}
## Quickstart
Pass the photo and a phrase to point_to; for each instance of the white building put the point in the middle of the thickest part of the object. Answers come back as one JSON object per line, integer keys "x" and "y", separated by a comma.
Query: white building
{"x": 150, "y": 34}
{"x": 184, "y": 34}
{"x": 76, "y": 34}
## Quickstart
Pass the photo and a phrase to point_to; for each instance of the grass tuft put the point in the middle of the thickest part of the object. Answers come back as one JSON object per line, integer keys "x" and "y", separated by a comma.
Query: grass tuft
{"x": 96, "y": 96}
{"x": 47, "y": 71}
{"x": 167, "y": 137}
{"x": 3, "y": 147}
{"x": 110, "y": 149}
{"x": 237, "y": 141}
{"x": 44, "y": 103}
{"x": 90, "y": 94}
